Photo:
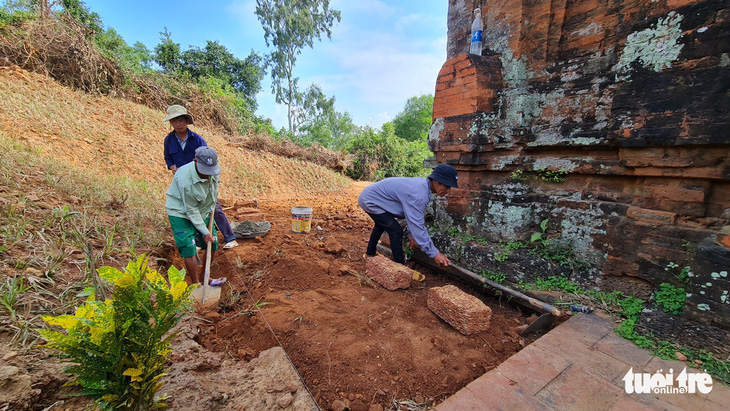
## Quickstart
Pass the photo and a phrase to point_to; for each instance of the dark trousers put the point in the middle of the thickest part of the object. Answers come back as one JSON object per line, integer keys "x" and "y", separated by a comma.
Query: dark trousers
{"x": 386, "y": 222}
{"x": 222, "y": 223}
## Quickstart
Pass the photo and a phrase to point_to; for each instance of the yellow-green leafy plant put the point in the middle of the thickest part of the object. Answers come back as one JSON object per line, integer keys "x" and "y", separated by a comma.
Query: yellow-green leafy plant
{"x": 119, "y": 346}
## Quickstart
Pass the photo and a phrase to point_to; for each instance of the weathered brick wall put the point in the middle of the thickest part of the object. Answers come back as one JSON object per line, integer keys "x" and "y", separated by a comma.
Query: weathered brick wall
{"x": 630, "y": 98}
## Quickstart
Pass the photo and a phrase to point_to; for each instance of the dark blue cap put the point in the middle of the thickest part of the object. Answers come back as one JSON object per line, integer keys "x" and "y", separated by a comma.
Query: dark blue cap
{"x": 446, "y": 175}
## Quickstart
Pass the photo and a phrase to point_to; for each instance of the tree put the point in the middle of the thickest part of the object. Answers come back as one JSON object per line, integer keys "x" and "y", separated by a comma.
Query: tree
{"x": 137, "y": 58}
{"x": 216, "y": 61}
{"x": 78, "y": 10}
{"x": 167, "y": 53}
{"x": 290, "y": 25}
{"x": 334, "y": 131}
{"x": 311, "y": 105}
{"x": 382, "y": 154}
{"x": 413, "y": 123}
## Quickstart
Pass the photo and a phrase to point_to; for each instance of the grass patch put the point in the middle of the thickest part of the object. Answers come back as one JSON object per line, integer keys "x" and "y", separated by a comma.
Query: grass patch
{"x": 670, "y": 298}
{"x": 628, "y": 309}
{"x": 49, "y": 213}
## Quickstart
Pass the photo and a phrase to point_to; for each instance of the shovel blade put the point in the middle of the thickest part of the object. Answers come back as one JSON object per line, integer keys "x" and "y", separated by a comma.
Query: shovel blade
{"x": 543, "y": 322}
{"x": 212, "y": 295}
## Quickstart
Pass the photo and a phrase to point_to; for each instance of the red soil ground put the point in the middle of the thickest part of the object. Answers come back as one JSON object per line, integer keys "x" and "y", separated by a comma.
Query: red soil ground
{"x": 349, "y": 339}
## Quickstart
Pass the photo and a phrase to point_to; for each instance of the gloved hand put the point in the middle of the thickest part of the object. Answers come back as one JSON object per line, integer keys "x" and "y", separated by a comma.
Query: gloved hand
{"x": 418, "y": 276}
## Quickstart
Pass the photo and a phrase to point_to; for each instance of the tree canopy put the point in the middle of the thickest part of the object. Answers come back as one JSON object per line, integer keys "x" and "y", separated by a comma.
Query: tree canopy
{"x": 413, "y": 123}
{"x": 215, "y": 60}
{"x": 290, "y": 26}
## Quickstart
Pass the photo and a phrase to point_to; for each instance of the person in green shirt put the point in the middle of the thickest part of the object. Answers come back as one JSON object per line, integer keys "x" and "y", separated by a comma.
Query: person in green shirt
{"x": 190, "y": 200}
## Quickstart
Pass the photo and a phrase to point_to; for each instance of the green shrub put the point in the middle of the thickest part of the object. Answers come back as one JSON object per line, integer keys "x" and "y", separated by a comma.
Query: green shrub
{"x": 670, "y": 298}
{"x": 15, "y": 17}
{"x": 119, "y": 346}
{"x": 378, "y": 155}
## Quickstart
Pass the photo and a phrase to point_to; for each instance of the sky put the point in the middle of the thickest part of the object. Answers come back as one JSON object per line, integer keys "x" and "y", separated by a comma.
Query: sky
{"x": 381, "y": 53}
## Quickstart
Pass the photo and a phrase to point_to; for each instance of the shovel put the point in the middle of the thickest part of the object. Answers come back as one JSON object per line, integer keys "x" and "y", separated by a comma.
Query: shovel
{"x": 206, "y": 295}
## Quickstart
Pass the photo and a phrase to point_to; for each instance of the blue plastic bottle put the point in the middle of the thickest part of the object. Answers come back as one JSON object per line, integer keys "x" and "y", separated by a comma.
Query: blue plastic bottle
{"x": 477, "y": 32}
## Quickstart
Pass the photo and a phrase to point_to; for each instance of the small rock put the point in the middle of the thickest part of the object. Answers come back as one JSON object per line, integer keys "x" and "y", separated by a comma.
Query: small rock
{"x": 292, "y": 387}
{"x": 10, "y": 356}
{"x": 285, "y": 400}
{"x": 344, "y": 269}
{"x": 375, "y": 407}
{"x": 339, "y": 405}
{"x": 419, "y": 399}
{"x": 334, "y": 247}
{"x": 277, "y": 388}
{"x": 381, "y": 393}
{"x": 680, "y": 356}
{"x": 212, "y": 316}
{"x": 725, "y": 214}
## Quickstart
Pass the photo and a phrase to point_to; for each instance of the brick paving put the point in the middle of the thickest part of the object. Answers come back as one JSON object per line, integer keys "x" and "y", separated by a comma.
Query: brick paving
{"x": 579, "y": 365}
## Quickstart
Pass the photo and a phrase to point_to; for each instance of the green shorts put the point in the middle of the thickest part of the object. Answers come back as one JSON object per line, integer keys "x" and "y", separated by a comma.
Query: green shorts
{"x": 187, "y": 237}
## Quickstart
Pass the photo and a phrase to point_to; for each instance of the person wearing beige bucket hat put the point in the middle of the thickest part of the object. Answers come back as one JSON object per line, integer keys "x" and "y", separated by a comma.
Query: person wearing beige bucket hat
{"x": 179, "y": 149}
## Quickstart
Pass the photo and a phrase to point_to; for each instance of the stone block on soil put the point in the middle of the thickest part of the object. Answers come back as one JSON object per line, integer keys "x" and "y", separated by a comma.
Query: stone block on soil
{"x": 388, "y": 273}
{"x": 462, "y": 311}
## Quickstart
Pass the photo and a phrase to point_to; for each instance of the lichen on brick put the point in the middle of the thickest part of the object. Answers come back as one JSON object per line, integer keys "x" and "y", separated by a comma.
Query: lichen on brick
{"x": 502, "y": 221}
{"x": 481, "y": 125}
{"x": 578, "y": 227}
{"x": 434, "y": 133}
{"x": 516, "y": 73}
{"x": 721, "y": 274}
{"x": 655, "y": 47}
{"x": 554, "y": 164}
{"x": 499, "y": 163}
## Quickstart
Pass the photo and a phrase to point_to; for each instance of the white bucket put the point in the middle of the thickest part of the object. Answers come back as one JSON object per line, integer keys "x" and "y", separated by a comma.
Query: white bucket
{"x": 301, "y": 219}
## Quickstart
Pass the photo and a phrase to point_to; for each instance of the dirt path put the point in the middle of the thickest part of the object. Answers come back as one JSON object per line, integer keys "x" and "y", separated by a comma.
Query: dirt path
{"x": 350, "y": 340}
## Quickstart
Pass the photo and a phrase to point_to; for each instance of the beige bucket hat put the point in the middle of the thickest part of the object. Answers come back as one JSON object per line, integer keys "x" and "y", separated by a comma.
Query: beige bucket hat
{"x": 177, "y": 111}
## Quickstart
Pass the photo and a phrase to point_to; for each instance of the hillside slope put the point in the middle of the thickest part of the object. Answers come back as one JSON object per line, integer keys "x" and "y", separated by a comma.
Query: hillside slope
{"x": 122, "y": 139}
{"x": 82, "y": 179}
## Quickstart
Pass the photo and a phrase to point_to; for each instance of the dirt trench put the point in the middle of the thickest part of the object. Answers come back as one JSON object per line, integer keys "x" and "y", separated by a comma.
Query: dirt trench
{"x": 352, "y": 342}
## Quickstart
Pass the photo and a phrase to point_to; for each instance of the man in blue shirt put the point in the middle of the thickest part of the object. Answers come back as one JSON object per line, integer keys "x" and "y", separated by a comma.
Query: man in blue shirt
{"x": 406, "y": 197}
{"x": 180, "y": 146}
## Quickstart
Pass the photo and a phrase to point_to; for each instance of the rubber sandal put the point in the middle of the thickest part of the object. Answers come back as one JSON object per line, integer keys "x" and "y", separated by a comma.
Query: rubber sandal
{"x": 231, "y": 244}
{"x": 418, "y": 276}
{"x": 217, "y": 282}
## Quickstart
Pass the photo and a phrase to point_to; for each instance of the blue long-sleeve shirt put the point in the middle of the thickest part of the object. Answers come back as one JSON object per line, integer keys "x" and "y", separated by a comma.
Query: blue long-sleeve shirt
{"x": 404, "y": 197}
{"x": 175, "y": 154}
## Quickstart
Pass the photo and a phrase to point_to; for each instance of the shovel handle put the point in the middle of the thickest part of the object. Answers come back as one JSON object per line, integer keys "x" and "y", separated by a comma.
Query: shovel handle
{"x": 206, "y": 276}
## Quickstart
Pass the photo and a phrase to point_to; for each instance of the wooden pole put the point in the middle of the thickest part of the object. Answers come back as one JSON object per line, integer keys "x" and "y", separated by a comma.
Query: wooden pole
{"x": 463, "y": 273}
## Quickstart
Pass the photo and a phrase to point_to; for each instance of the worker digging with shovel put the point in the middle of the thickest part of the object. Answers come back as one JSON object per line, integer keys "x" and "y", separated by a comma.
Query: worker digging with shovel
{"x": 190, "y": 203}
